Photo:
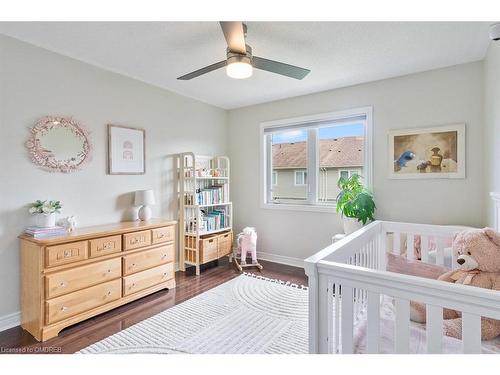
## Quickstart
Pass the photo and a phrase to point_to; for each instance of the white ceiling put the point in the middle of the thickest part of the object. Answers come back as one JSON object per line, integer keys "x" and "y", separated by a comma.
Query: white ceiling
{"x": 338, "y": 53}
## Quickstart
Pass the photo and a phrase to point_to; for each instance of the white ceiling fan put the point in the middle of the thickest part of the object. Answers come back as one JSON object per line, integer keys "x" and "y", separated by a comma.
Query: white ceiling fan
{"x": 240, "y": 61}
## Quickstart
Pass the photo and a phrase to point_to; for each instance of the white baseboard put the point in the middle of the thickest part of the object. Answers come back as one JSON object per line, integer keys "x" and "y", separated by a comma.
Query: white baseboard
{"x": 296, "y": 262}
{"x": 10, "y": 320}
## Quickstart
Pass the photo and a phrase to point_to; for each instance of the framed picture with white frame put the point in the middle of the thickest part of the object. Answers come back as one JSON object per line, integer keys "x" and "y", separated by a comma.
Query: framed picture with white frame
{"x": 126, "y": 150}
{"x": 437, "y": 152}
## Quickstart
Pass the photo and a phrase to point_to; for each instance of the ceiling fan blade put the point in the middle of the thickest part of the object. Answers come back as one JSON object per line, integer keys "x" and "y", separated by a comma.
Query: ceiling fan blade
{"x": 279, "y": 68}
{"x": 235, "y": 36}
{"x": 204, "y": 70}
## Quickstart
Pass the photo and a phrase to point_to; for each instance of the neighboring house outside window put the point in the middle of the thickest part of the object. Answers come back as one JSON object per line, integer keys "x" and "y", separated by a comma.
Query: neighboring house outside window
{"x": 308, "y": 155}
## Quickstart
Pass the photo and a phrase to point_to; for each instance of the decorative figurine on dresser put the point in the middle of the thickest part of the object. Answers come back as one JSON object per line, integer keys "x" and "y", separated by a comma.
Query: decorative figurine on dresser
{"x": 69, "y": 278}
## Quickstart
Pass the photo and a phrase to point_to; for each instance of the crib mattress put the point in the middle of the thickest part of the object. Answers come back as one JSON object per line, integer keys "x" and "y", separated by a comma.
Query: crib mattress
{"x": 418, "y": 335}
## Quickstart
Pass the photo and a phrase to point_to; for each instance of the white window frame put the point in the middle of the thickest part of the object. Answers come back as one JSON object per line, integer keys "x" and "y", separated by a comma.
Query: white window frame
{"x": 275, "y": 178}
{"x": 304, "y": 177}
{"x": 311, "y": 204}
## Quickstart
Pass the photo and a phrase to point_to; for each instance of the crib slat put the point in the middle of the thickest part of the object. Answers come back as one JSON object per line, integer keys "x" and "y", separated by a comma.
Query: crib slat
{"x": 424, "y": 248}
{"x": 373, "y": 328}
{"x": 330, "y": 316}
{"x": 410, "y": 246}
{"x": 347, "y": 320}
{"x": 439, "y": 251}
{"x": 434, "y": 329}
{"x": 454, "y": 264}
{"x": 471, "y": 333}
{"x": 382, "y": 251}
{"x": 337, "y": 319}
{"x": 396, "y": 247}
{"x": 402, "y": 325}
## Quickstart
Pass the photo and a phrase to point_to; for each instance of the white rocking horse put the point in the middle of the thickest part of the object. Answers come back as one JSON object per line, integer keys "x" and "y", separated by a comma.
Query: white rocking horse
{"x": 247, "y": 243}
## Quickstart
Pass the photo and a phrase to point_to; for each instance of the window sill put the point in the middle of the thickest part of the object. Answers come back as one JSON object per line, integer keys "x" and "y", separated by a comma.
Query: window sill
{"x": 330, "y": 208}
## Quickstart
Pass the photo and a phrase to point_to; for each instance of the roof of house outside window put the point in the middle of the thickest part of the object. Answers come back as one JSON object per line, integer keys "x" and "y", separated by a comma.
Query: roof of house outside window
{"x": 333, "y": 153}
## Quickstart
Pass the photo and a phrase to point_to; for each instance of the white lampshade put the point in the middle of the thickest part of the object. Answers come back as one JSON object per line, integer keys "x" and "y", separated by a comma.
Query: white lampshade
{"x": 144, "y": 198}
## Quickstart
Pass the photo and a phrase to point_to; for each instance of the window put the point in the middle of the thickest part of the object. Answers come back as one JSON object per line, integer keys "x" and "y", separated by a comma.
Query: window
{"x": 344, "y": 174}
{"x": 348, "y": 173}
{"x": 310, "y": 154}
{"x": 300, "y": 178}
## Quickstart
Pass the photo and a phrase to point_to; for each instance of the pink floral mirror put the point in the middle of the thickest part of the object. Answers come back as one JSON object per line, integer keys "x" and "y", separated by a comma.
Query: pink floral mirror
{"x": 59, "y": 144}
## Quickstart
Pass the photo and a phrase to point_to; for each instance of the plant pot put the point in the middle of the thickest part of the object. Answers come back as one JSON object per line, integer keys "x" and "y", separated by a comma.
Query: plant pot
{"x": 351, "y": 224}
{"x": 45, "y": 220}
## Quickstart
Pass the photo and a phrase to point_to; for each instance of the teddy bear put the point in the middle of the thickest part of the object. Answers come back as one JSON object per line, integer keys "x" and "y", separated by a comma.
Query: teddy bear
{"x": 478, "y": 258}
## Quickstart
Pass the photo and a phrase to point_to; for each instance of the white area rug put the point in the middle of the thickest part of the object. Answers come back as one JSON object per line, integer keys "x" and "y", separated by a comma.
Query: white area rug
{"x": 250, "y": 314}
{"x": 245, "y": 315}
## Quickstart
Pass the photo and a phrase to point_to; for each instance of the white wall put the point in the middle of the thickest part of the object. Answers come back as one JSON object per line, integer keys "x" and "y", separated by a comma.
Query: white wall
{"x": 436, "y": 97}
{"x": 492, "y": 124}
{"x": 34, "y": 83}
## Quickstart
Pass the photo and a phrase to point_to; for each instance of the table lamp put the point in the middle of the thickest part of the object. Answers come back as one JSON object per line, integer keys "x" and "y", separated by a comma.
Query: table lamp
{"x": 145, "y": 198}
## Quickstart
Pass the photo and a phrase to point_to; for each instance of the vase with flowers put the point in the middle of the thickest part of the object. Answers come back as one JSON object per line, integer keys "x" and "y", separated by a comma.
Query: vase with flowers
{"x": 45, "y": 212}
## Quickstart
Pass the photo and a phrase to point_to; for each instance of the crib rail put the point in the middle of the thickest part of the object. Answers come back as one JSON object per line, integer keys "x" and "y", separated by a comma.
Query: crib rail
{"x": 350, "y": 276}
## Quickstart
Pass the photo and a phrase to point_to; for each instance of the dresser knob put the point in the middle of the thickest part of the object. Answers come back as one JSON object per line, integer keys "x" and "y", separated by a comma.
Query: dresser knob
{"x": 165, "y": 274}
{"x": 109, "y": 293}
{"x": 132, "y": 265}
{"x": 64, "y": 308}
{"x": 109, "y": 271}
{"x": 62, "y": 284}
{"x": 164, "y": 256}
{"x": 161, "y": 235}
{"x": 133, "y": 284}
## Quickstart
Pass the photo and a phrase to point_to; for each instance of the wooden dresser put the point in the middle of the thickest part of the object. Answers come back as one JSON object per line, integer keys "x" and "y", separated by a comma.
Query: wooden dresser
{"x": 67, "y": 279}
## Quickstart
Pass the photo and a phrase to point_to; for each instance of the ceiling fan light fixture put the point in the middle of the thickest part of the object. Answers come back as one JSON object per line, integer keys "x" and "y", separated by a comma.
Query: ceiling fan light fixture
{"x": 239, "y": 67}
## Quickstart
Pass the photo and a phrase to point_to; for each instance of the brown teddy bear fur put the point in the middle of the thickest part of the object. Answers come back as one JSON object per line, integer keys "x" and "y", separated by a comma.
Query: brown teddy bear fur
{"x": 477, "y": 250}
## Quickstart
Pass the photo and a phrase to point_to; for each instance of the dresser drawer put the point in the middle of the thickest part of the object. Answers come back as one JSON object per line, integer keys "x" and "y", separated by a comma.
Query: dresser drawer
{"x": 75, "y": 303}
{"x": 143, "y": 280}
{"x": 136, "y": 239}
{"x": 147, "y": 259}
{"x": 165, "y": 234}
{"x": 81, "y": 277}
{"x": 66, "y": 253}
{"x": 105, "y": 245}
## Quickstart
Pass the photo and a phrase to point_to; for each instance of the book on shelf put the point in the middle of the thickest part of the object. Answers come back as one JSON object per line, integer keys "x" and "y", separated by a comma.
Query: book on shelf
{"x": 39, "y": 232}
{"x": 210, "y": 220}
{"x": 213, "y": 195}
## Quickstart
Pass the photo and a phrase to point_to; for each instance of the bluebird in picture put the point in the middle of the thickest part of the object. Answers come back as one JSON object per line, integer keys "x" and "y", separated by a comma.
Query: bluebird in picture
{"x": 403, "y": 160}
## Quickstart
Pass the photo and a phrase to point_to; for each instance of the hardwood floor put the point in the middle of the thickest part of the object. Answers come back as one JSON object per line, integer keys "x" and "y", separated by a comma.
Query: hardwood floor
{"x": 81, "y": 335}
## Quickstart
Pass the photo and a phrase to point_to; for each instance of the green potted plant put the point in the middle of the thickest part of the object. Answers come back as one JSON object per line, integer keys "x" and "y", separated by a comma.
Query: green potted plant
{"x": 45, "y": 212}
{"x": 355, "y": 202}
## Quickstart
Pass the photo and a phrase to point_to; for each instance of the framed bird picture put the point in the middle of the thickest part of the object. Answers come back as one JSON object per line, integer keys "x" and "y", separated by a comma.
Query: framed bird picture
{"x": 437, "y": 152}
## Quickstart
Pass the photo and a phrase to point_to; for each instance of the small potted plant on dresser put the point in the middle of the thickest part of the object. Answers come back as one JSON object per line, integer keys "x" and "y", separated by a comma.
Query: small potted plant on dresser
{"x": 45, "y": 213}
{"x": 355, "y": 202}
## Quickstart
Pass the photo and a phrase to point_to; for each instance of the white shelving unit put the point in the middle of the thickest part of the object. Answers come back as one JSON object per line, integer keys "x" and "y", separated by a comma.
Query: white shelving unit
{"x": 205, "y": 206}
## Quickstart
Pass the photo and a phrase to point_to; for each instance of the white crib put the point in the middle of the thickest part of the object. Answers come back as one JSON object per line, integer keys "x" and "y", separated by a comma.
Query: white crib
{"x": 350, "y": 277}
